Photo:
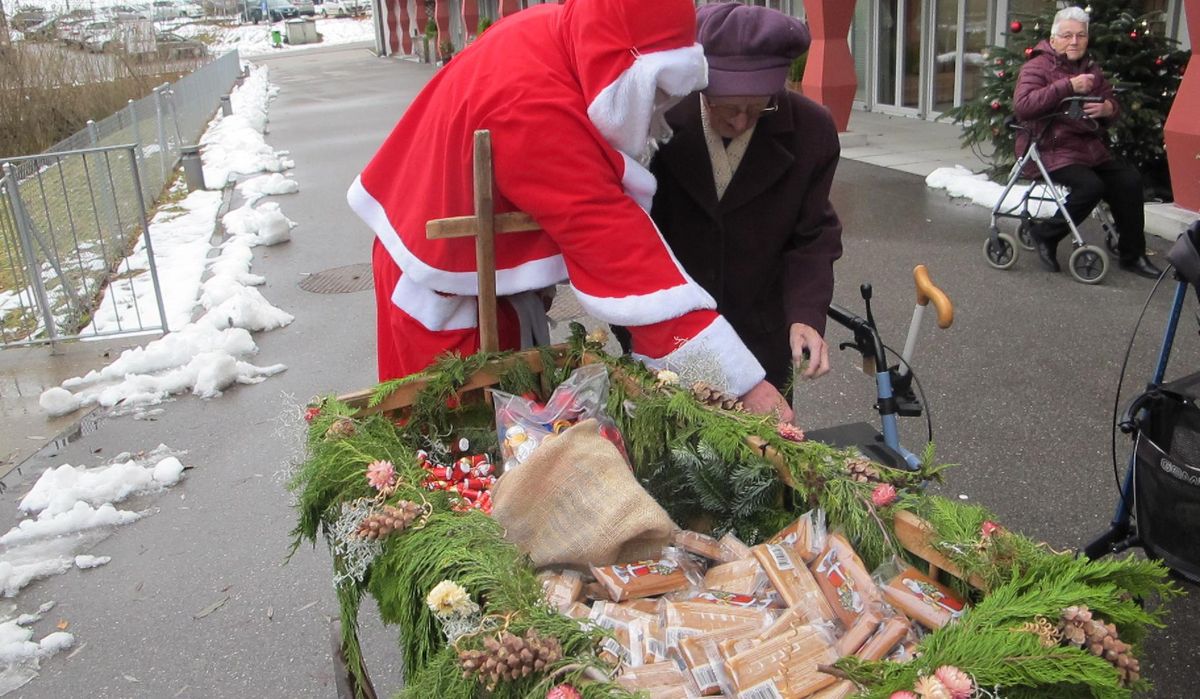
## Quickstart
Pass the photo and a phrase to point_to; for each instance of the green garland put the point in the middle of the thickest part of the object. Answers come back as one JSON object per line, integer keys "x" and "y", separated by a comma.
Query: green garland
{"x": 703, "y": 465}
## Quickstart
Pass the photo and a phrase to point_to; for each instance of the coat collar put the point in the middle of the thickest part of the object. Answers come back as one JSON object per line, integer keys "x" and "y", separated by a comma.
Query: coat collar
{"x": 766, "y": 159}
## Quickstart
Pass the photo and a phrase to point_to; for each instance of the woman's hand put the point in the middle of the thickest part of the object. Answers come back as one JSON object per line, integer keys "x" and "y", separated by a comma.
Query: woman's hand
{"x": 765, "y": 399}
{"x": 1099, "y": 110}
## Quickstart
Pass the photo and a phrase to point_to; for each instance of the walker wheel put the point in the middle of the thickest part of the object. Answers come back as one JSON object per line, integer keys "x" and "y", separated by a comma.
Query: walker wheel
{"x": 1088, "y": 264}
{"x": 1025, "y": 234}
{"x": 1000, "y": 250}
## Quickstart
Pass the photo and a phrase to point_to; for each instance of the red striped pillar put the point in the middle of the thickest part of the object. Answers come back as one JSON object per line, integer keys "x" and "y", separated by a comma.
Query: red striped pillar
{"x": 470, "y": 17}
{"x": 829, "y": 74}
{"x": 1182, "y": 130}
{"x": 405, "y": 26}
{"x": 509, "y": 7}
{"x": 441, "y": 14}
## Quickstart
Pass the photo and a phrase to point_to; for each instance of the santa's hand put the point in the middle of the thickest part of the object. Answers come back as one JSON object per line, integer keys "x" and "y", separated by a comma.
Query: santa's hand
{"x": 765, "y": 399}
{"x": 805, "y": 339}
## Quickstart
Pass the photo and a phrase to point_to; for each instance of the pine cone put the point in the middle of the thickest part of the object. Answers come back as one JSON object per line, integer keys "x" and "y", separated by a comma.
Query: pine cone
{"x": 340, "y": 429}
{"x": 1080, "y": 628}
{"x": 509, "y": 657}
{"x": 862, "y": 470}
{"x": 387, "y": 520}
{"x": 712, "y": 397}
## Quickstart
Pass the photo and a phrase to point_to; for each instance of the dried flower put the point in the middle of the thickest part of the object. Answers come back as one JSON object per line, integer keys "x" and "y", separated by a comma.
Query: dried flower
{"x": 597, "y": 337}
{"x": 931, "y": 688}
{"x": 790, "y": 432}
{"x": 989, "y": 527}
{"x": 448, "y": 598}
{"x": 883, "y": 495}
{"x": 665, "y": 377}
{"x": 311, "y": 413}
{"x": 563, "y": 691}
{"x": 382, "y": 475}
{"x": 959, "y": 683}
{"x": 340, "y": 429}
{"x": 905, "y": 694}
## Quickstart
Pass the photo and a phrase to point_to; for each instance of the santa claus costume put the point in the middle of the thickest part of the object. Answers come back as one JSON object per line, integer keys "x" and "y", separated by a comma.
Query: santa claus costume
{"x": 573, "y": 95}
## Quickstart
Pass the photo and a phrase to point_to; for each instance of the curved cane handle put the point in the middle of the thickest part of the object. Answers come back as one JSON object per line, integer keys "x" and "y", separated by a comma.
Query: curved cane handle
{"x": 928, "y": 291}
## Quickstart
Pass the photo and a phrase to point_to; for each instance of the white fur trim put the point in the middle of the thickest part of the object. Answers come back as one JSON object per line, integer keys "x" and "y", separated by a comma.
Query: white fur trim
{"x": 720, "y": 348}
{"x": 638, "y": 182}
{"x": 433, "y": 310}
{"x": 623, "y": 109}
{"x": 535, "y": 274}
{"x": 645, "y": 309}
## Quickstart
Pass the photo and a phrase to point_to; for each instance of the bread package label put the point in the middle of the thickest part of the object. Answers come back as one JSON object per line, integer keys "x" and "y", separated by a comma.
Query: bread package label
{"x": 640, "y": 579}
{"x": 733, "y": 599}
{"x": 845, "y": 581}
{"x": 922, "y": 599}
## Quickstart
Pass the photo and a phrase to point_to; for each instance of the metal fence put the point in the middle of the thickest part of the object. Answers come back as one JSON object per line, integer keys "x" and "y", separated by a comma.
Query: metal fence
{"x": 75, "y": 256}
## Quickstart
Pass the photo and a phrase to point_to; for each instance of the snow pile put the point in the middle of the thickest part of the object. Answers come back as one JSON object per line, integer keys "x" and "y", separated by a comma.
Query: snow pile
{"x": 20, "y": 655}
{"x": 255, "y": 40}
{"x": 960, "y": 182}
{"x": 73, "y": 508}
{"x": 234, "y": 145}
{"x": 209, "y": 355}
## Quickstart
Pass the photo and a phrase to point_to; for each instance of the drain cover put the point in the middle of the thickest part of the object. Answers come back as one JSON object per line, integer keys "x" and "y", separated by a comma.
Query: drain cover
{"x": 340, "y": 280}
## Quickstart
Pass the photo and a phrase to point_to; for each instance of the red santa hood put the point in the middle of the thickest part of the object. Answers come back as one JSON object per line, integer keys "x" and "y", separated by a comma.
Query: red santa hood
{"x": 634, "y": 60}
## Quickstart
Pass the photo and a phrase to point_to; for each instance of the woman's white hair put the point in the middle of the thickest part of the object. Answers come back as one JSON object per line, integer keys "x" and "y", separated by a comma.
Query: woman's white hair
{"x": 1070, "y": 14}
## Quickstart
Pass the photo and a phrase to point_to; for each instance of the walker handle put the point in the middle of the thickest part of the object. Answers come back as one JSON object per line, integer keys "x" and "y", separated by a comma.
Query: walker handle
{"x": 928, "y": 291}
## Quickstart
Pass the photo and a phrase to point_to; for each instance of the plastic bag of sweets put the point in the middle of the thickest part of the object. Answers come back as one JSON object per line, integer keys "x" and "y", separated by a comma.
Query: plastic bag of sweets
{"x": 523, "y": 424}
{"x": 840, "y": 574}
{"x": 693, "y": 654}
{"x": 784, "y": 666}
{"x": 658, "y": 681}
{"x": 561, "y": 588}
{"x": 806, "y": 535}
{"x": 792, "y": 580}
{"x": 891, "y": 633}
{"x": 745, "y": 577}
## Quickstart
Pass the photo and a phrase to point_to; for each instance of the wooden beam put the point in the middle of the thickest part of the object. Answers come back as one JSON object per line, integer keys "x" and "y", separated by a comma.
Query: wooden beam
{"x": 467, "y": 226}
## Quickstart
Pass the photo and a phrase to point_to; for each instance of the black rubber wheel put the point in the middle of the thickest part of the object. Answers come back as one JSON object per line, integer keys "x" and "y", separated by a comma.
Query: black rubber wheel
{"x": 1088, "y": 264}
{"x": 1025, "y": 234}
{"x": 1000, "y": 251}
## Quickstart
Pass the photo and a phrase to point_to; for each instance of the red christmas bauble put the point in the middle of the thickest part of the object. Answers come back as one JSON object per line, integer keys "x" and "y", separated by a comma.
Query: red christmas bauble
{"x": 1028, "y": 50}
{"x": 1159, "y": 61}
{"x": 1000, "y": 74}
{"x": 1016, "y": 27}
{"x": 996, "y": 105}
{"x": 1133, "y": 34}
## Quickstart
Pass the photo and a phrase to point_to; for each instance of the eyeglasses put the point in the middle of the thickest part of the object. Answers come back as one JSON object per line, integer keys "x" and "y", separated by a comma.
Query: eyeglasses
{"x": 1068, "y": 36}
{"x": 753, "y": 111}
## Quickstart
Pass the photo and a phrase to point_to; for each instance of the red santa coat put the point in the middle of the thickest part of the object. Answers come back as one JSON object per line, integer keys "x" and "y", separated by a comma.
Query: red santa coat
{"x": 569, "y": 94}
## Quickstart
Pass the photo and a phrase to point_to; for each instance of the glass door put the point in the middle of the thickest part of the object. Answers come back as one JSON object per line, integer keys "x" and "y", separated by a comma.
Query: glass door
{"x": 959, "y": 36}
{"x": 898, "y": 58}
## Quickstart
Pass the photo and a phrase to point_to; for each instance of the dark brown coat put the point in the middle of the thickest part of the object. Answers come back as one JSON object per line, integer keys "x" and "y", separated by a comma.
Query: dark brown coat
{"x": 766, "y": 250}
{"x": 1044, "y": 80}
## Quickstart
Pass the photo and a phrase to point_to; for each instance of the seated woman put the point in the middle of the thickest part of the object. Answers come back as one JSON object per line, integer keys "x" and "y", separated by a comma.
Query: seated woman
{"x": 1074, "y": 150}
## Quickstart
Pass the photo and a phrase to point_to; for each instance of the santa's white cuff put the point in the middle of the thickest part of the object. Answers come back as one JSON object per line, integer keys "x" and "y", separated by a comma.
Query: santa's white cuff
{"x": 716, "y": 356}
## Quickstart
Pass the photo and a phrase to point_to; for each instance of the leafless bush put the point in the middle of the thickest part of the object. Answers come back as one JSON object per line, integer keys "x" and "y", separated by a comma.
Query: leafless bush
{"x": 48, "y": 92}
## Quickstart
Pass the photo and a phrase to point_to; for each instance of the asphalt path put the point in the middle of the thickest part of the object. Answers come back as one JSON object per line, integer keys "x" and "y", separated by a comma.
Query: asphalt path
{"x": 1020, "y": 391}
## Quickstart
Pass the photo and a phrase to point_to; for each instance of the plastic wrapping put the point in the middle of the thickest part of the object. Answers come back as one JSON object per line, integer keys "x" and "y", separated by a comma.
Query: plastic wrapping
{"x": 732, "y": 548}
{"x": 792, "y": 580}
{"x": 698, "y": 656}
{"x": 699, "y": 544}
{"x": 561, "y": 589}
{"x": 923, "y": 599}
{"x": 744, "y": 577}
{"x": 844, "y": 579}
{"x": 641, "y": 579}
{"x": 784, "y": 666}
{"x": 806, "y": 535}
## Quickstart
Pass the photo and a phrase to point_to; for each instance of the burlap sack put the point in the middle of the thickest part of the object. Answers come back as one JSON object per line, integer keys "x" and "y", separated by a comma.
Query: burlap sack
{"x": 574, "y": 502}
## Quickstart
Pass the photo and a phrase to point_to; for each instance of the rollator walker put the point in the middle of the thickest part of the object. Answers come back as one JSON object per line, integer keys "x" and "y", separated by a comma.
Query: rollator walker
{"x": 1088, "y": 263}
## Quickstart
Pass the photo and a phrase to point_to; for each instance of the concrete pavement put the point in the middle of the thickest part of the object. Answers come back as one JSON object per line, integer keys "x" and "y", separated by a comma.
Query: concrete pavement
{"x": 1020, "y": 389}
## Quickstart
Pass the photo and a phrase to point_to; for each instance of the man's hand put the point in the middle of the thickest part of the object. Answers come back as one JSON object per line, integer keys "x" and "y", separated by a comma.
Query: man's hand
{"x": 804, "y": 337}
{"x": 1082, "y": 84}
{"x": 765, "y": 399}
{"x": 1099, "y": 110}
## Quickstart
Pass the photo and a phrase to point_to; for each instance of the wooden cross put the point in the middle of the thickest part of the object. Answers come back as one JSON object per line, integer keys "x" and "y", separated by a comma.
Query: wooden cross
{"x": 483, "y": 226}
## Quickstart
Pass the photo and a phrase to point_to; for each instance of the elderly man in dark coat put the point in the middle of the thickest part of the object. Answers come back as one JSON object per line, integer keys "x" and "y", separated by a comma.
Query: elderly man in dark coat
{"x": 743, "y": 189}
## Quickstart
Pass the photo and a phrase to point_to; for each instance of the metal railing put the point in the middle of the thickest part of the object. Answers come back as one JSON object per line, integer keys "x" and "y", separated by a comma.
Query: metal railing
{"x": 75, "y": 256}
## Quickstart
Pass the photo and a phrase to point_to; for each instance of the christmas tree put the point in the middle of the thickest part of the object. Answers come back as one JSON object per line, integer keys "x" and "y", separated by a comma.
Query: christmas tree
{"x": 1135, "y": 56}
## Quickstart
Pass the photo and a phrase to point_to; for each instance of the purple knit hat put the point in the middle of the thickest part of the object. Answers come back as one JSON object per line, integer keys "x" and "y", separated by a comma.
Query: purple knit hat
{"x": 749, "y": 48}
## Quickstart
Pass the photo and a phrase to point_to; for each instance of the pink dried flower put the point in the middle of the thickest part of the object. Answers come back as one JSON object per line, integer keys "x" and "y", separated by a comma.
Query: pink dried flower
{"x": 958, "y": 682}
{"x": 989, "y": 527}
{"x": 883, "y": 495}
{"x": 382, "y": 475}
{"x": 311, "y": 413}
{"x": 790, "y": 432}
{"x": 563, "y": 691}
{"x": 903, "y": 695}
{"x": 931, "y": 688}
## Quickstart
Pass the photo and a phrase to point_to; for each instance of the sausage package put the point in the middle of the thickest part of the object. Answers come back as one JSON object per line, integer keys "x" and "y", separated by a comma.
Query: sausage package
{"x": 792, "y": 580}
{"x": 641, "y": 579}
{"x": 840, "y": 574}
{"x": 923, "y": 599}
